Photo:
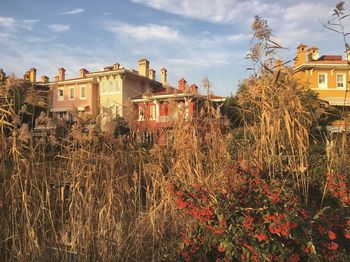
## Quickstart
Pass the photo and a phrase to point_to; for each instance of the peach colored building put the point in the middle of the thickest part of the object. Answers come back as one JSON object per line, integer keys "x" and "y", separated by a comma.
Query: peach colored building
{"x": 74, "y": 94}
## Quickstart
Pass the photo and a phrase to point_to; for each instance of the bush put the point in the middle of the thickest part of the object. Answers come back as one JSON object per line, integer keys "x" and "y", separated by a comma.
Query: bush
{"x": 248, "y": 217}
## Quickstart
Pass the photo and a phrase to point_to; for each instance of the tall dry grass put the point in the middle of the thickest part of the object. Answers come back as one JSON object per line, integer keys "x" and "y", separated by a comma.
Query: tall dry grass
{"x": 94, "y": 197}
{"x": 276, "y": 126}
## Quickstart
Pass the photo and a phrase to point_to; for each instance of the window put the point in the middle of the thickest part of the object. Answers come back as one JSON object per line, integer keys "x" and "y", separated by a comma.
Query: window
{"x": 340, "y": 80}
{"x": 82, "y": 92}
{"x": 141, "y": 113}
{"x": 322, "y": 80}
{"x": 116, "y": 85}
{"x": 153, "y": 113}
{"x": 71, "y": 93}
{"x": 103, "y": 87}
{"x": 147, "y": 137}
{"x": 111, "y": 86}
{"x": 60, "y": 94}
{"x": 61, "y": 115}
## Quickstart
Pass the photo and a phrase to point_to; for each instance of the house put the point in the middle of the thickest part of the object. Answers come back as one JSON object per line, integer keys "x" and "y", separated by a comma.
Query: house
{"x": 118, "y": 84}
{"x": 79, "y": 93}
{"x": 105, "y": 92}
{"x": 327, "y": 75}
{"x": 154, "y": 112}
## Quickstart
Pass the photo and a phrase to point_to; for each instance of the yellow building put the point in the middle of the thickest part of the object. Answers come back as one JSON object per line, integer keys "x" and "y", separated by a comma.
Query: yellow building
{"x": 117, "y": 85}
{"x": 327, "y": 75}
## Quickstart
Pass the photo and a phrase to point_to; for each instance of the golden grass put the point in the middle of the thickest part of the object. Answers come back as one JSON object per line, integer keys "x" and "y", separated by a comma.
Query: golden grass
{"x": 93, "y": 197}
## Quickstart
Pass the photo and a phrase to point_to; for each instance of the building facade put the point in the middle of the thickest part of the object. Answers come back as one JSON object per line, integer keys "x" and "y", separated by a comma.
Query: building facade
{"x": 79, "y": 94}
{"x": 105, "y": 92}
{"x": 117, "y": 85}
{"x": 154, "y": 113}
{"x": 327, "y": 75}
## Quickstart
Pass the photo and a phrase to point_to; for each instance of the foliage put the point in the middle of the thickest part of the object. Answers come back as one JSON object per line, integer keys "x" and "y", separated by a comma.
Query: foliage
{"x": 91, "y": 196}
{"x": 248, "y": 217}
{"x": 231, "y": 111}
{"x": 122, "y": 127}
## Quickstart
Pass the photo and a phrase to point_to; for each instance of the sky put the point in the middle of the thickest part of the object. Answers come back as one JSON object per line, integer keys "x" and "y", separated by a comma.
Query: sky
{"x": 193, "y": 39}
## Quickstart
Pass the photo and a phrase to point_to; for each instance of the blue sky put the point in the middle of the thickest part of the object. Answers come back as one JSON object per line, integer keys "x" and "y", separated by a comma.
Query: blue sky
{"x": 191, "y": 38}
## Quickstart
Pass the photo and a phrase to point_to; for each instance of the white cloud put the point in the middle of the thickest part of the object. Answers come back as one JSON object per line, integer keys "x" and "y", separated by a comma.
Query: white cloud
{"x": 73, "y": 11}
{"x": 232, "y": 38}
{"x": 11, "y": 23}
{"x": 219, "y": 11}
{"x": 143, "y": 32}
{"x": 198, "y": 62}
{"x": 7, "y": 22}
{"x": 59, "y": 28}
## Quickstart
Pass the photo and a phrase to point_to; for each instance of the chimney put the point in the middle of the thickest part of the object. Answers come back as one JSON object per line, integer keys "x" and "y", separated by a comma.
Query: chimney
{"x": 32, "y": 75}
{"x": 182, "y": 84}
{"x": 26, "y": 76}
{"x": 143, "y": 67}
{"x": 301, "y": 55}
{"x": 312, "y": 54}
{"x": 347, "y": 55}
{"x": 83, "y": 72}
{"x": 163, "y": 76}
{"x": 194, "y": 88}
{"x": 61, "y": 74}
{"x": 44, "y": 79}
{"x": 152, "y": 74}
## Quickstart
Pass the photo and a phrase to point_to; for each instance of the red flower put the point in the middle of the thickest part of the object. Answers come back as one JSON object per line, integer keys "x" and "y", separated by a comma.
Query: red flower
{"x": 307, "y": 250}
{"x": 261, "y": 237}
{"x": 248, "y": 222}
{"x": 304, "y": 213}
{"x": 181, "y": 203}
{"x": 249, "y": 247}
{"x": 257, "y": 181}
{"x": 332, "y": 246}
{"x": 186, "y": 241}
{"x": 275, "y": 198}
{"x": 274, "y": 230}
{"x": 331, "y": 235}
{"x": 219, "y": 231}
{"x": 347, "y": 233}
{"x": 322, "y": 230}
{"x": 221, "y": 249}
{"x": 294, "y": 258}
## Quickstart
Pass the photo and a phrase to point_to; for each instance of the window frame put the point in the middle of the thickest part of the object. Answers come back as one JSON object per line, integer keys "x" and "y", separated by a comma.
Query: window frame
{"x": 69, "y": 93}
{"x": 141, "y": 116}
{"x": 343, "y": 82}
{"x": 111, "y": 86}
{"x": 322, "y": 85}
{"x": 59, "y": 96}
{"x": 83, "y": 97}
{"x": 152, "y": 112}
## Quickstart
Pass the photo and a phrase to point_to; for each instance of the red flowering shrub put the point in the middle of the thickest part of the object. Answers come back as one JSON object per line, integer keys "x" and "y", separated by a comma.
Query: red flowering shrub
{"x": 247, "y": 217}
{"x": 338, "y": 188}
